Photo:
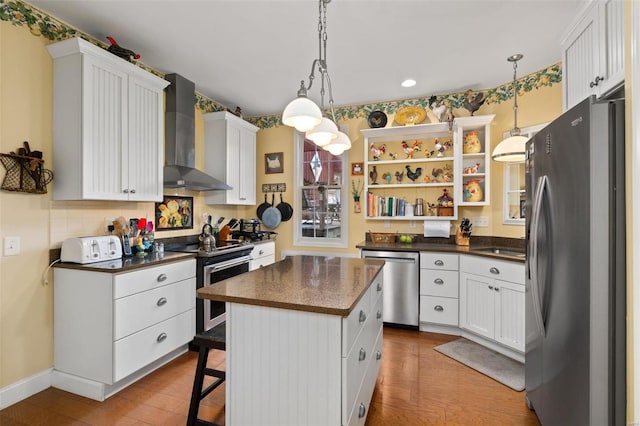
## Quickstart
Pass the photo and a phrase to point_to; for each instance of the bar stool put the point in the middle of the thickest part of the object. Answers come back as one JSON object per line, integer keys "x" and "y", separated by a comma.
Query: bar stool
{"x": 215, "y": 338}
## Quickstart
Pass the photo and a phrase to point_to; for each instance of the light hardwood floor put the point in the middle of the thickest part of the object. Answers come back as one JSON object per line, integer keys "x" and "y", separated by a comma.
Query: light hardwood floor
{"x": 416, "y": 386}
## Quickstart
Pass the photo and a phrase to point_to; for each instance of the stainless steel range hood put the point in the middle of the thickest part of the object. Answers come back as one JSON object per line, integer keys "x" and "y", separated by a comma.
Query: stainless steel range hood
{"x": 180, "y": 139}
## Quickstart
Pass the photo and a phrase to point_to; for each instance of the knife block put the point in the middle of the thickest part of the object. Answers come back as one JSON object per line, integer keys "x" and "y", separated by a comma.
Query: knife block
{"x": 460, "y": 240}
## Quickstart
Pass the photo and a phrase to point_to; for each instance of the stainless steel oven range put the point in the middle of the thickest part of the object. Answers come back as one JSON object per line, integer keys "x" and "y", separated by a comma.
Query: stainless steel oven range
{"x": 228, "y": 259}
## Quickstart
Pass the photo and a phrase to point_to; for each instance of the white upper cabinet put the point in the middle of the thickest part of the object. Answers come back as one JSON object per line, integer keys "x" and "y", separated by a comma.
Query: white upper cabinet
{"x": 108, "y": 126}
{"x": 230, "y": 156}
{"x": 593, "y": 52}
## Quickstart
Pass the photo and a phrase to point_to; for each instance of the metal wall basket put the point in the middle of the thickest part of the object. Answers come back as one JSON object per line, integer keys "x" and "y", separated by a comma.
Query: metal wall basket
{"x": 25, "y": 174}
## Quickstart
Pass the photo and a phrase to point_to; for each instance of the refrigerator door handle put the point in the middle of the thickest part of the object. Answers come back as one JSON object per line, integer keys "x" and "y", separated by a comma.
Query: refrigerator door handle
{"x": 533, "y": 250}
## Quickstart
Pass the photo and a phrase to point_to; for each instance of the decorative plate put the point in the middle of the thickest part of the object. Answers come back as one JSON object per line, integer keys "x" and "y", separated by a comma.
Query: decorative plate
{"x": 377, "y": 119}
{"x": 410, "y": 115}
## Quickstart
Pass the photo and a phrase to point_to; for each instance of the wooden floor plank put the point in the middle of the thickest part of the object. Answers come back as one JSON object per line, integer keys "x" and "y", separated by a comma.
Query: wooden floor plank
{"x": 416, "y": 386}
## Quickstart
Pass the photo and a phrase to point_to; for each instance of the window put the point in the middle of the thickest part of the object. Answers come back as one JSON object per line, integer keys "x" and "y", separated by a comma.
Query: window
{"x": 319, "y": 196}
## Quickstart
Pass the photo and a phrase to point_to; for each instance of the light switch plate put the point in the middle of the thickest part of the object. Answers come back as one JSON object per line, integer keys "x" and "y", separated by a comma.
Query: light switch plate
{"x": 11, "y": 246}
{"x": 480, "y": 221}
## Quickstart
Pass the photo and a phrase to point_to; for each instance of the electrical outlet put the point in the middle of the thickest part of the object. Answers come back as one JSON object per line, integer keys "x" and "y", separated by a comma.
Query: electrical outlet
{"x": 387, "y": 224}
{"x": 480, "y": 221}
{"x": 412, "y": 224}
{"x": 11, "y": 246}
{"x": 108, "y": 222}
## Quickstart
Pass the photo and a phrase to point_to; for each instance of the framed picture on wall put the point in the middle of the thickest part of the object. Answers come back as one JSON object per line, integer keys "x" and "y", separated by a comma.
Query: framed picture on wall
{"x": 357, "y": 169}
{"x": 273, "y": 162}
{"x": 174, "y": 212}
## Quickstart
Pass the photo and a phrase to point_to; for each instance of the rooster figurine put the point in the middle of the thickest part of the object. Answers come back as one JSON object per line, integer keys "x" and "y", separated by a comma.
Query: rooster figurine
{"x": 120, "y": 51}
{"x": 441, "y": 147}
{"x": 473, "y": 102}
{"x": 377, "y": 152}
{"x": 399, "y": 176}
{"x": 438, "y": 110}
{"x": 413, "y": 175}
{"x": 410, "y": 150}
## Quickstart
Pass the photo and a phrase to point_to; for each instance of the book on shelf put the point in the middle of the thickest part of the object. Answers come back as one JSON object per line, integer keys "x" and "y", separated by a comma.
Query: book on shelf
{"x": 385, "y": 206}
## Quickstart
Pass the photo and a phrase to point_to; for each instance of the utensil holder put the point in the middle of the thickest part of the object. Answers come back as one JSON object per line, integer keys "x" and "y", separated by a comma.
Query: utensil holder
{"x": 460, "y": 240}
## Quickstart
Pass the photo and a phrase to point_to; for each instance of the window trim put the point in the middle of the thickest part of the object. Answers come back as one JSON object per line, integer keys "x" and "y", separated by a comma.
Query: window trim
{"x": 298, "y": 239}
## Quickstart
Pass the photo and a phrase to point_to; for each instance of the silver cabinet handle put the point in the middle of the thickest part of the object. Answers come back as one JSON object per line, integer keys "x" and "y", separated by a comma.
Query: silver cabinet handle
{"x": 363, "y": 355}
{"x": 379, "y": 315}
{"x": 362, "y": 410}
{"x": 378, "y": 355}
{"x": 363, "y": 317}
{"x": 438, "y": 263}
{"x": 379, "y": 287}
{"x": 438, "y": 281}
{"x": 162, "y": 277}
{"x": 497, "y": 288}
{"x": 161, "y": 337}
{"x": 495, "y": 271}
{"x": 133, "y": 191}
{"x": 438, "y": 308}
{"x": 596, "y": 82}
{"x": 162, "y": 301}
{"x": 126, "y": 191}
{"x": 490, "y": 287}
{"x": 260, "y": 252}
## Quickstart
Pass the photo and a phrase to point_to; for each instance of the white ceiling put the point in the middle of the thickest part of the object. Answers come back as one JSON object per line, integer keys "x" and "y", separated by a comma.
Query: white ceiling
{"x": 253, "y": 53}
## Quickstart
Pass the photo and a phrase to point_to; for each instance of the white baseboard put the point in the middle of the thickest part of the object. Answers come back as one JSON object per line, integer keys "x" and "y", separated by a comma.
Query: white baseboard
{"x": 511, "y": 353}
{"x": 441, "y": 329}
{"x": 25, "y": 388}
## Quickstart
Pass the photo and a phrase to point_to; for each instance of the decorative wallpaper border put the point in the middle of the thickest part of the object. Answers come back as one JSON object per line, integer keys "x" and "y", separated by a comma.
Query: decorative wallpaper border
{"x": 40, "y": 24}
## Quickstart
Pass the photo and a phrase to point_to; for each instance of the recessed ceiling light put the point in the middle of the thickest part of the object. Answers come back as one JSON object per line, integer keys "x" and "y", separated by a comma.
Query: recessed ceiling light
{"x": 408, "y": 83}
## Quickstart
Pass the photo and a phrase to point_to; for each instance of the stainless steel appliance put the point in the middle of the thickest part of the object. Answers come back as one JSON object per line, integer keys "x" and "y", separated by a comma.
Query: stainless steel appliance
{"x": 228, "y": 259}
{"x": 400, "y": 277}
{"x": 575, "y": 274}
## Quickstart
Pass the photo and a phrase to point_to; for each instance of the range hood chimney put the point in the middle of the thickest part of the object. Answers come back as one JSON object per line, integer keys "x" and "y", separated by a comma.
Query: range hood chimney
{"x": 180, "y": 139}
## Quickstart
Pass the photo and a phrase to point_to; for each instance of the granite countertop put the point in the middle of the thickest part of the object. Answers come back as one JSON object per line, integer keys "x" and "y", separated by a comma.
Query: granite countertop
{"x": 514, "y": 248}
{"x": 128, "y": 264}
{"x": 328, "y": 285}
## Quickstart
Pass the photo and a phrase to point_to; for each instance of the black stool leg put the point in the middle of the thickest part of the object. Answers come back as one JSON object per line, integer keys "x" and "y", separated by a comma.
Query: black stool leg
{"x": 203, "y": 354}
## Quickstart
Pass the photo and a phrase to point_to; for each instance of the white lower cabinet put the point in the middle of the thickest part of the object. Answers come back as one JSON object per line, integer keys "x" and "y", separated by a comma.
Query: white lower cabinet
{"x": 290, "y": 367}
{"x": 492, "y": 301}
{"x": 439, "y": 288}
{"x": 263, "y": 254}
{"x": 109, "y": 326}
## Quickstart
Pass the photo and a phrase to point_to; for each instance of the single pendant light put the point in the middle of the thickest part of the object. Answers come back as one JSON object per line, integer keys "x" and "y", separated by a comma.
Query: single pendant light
{"x": 512, "y": 149}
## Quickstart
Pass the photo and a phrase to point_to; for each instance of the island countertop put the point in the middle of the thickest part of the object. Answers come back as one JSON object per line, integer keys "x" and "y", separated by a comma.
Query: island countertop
{"x": 329, "y": 285}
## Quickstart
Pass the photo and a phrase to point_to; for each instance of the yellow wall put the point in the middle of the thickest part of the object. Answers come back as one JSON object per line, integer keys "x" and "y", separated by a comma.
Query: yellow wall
{"x": 26, "y": 305}
{"x": 535, "y": 107}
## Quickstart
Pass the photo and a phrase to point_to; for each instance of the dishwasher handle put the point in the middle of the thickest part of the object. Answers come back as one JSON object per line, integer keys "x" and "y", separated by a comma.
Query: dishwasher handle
{"x": 393, "y": 259}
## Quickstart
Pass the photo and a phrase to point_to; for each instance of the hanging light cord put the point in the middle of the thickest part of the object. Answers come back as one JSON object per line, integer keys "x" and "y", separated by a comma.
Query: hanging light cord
{"x": 515, "y": 131}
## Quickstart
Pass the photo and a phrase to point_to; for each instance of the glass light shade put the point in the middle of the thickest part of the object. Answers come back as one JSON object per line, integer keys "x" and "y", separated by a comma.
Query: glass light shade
{"x": 323, "y": 133}
{"x": 339, "y": 144}
{"x": 302, "y": 113}
{"x": 512, "y": 149}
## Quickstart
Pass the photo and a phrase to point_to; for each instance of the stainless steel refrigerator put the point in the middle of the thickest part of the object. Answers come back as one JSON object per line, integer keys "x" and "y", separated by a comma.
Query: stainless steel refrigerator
{"x": 575, "y": 284}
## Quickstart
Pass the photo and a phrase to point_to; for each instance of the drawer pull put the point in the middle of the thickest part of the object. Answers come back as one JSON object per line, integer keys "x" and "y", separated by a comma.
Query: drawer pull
{"x": 133, "y": 191}
{"x": 495, "y": 271}
{"x": 378, "y": 355}
{"x": 260, "y": 252}
{"x": 161, "y": 337}
{"x": 438, "y": 281}
{"x": 438, "y": 263}
{"x": 363, "y": 317}
{"x": 126, "y": 191}
{"x": 379, "y": 315}
{"x": 379, "y": 287}
{"x": 362, "y": 410}
{"x": 497, "y": 288}
{"x": 363, "y": 355}
{"x": 438, "y": 308}
{"x": 162, "y": 277}
{"x": 162, "y": 301}
{"x": 490, "y": 287}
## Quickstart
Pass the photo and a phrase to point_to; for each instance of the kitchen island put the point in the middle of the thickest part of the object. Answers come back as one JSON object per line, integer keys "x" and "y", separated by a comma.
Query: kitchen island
{"x": 304, "y": 341}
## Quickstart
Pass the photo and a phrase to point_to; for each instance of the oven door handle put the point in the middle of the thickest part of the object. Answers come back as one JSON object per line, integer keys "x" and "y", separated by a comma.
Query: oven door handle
{"x": 226, "y": 265}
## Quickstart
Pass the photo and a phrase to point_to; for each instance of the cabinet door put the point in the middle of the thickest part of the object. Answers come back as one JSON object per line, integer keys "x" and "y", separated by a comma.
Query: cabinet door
{"x": 581, "y": 59}
{"x": 104, "y": 131}
{"x": 143, "y": 153}
{"x": 247, "y": 168}
{"x": 509, "y": 318}
{"x": 613, "y": 21}
{"x": 477, "y": 304}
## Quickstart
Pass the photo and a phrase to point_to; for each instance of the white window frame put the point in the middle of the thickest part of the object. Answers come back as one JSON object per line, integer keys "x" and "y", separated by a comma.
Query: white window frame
{"x": 298, "y": 238}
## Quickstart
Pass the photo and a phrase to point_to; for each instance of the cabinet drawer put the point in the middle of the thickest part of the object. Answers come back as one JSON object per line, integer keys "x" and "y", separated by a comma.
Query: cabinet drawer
{"x": 138, "y": 311}
{"x": 496, "y": 269}
{"x": 439, "y": 283}
{"x": 359, "y": 410}
{"x": 439, "y": 310}
{"x": 376, "y": 290}
{"x": 353, "y": 324}
{"x": 139, "y": 349}
{"x": 263, "y": 249}
{"x": 439, "y": 261}
{"x": 259, "y": 262}
{"x": 148, "y": 278}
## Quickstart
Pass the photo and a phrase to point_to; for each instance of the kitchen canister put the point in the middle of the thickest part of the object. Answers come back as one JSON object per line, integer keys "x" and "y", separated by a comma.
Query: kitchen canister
{"x": 471, "y": 144}
{"x": 473, "y": 191}
{"x": 419, "y": 207}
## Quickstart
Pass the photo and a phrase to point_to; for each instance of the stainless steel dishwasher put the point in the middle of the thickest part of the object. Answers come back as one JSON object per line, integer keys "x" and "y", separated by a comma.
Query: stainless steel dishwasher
{"x": 401, "y": 286}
